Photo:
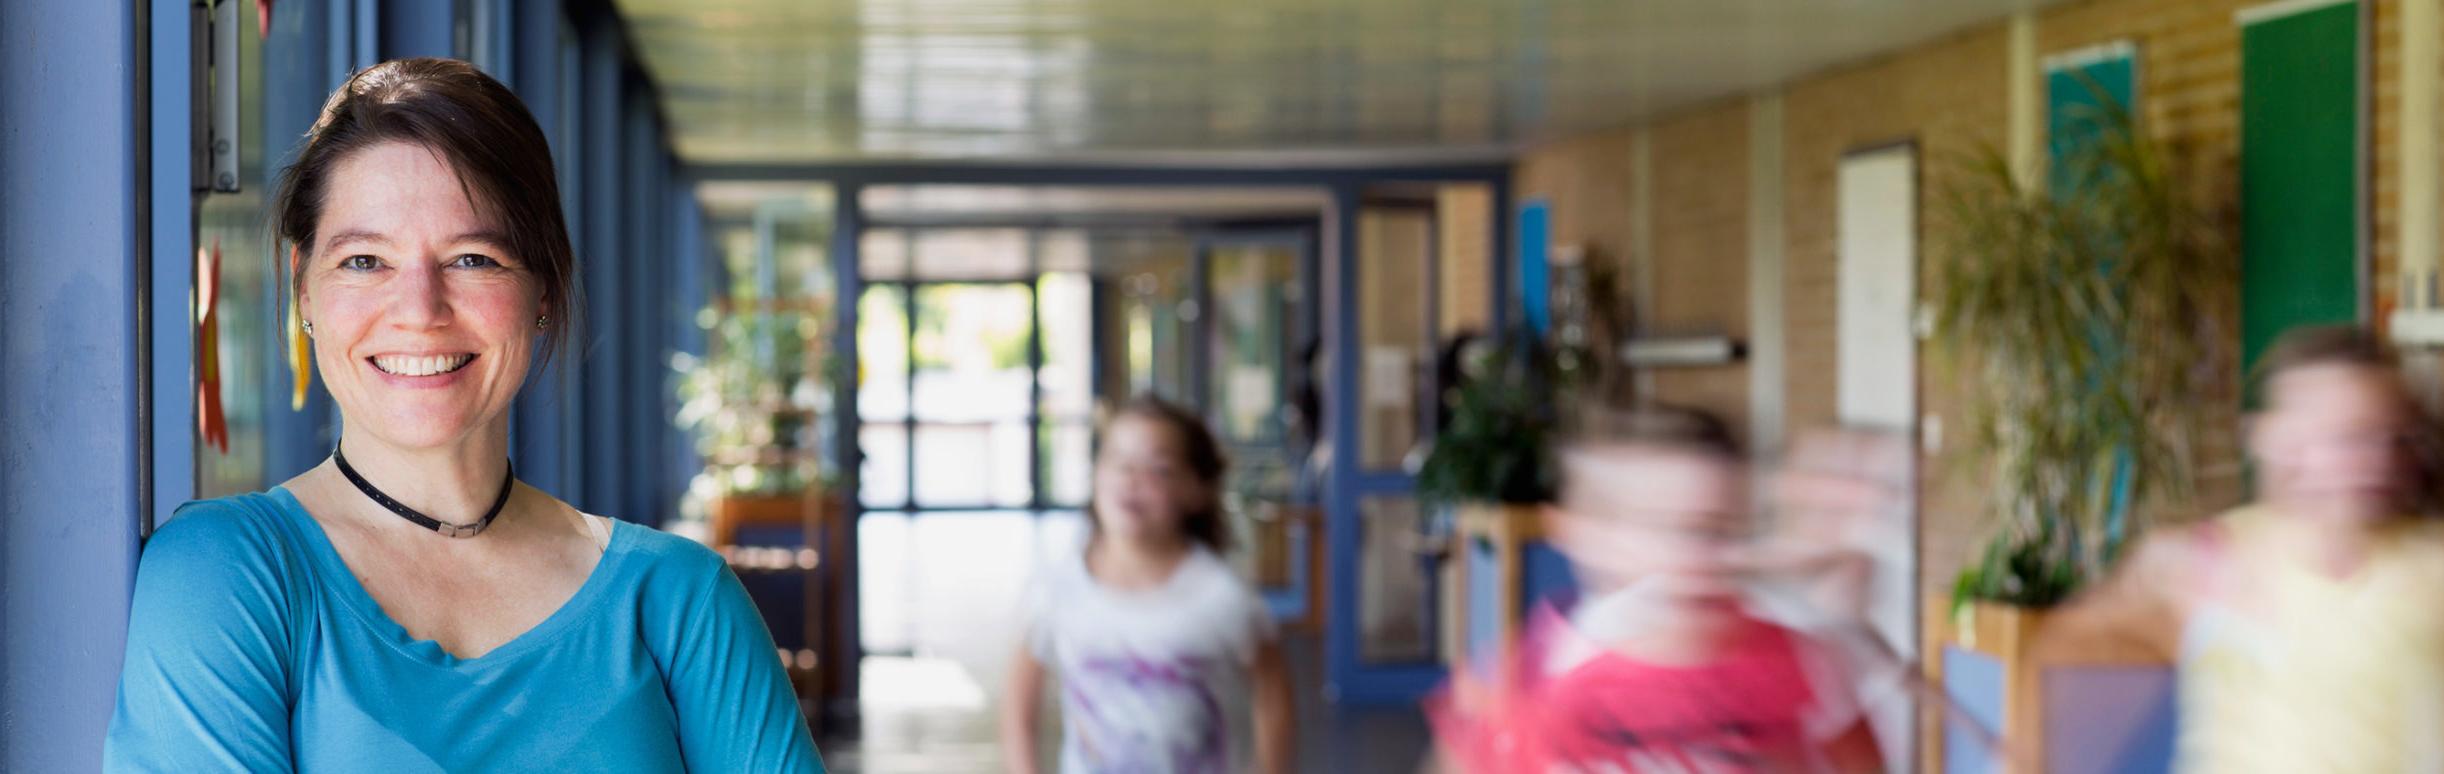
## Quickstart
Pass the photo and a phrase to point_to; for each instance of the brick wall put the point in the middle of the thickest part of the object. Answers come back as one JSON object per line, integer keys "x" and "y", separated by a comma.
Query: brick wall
{"x": 1700, "y": 242}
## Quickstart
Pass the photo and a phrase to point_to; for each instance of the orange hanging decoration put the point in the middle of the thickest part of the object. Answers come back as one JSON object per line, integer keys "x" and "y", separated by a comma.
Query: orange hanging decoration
{"x": 212, "y": 422}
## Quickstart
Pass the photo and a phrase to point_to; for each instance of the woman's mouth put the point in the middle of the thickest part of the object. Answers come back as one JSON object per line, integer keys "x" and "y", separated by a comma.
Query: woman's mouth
{"x": 420, "y": 365}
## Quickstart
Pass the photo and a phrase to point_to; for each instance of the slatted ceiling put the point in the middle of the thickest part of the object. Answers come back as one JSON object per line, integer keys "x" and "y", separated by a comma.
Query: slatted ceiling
{"x": 739, "y": 199}
{"x": 999, "y": 254}
{"x": 955, "y": 202}
{"x": 781, "y": 81}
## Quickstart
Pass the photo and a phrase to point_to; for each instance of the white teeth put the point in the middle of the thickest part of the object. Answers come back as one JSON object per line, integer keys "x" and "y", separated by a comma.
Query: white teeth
{"x": 427, "y": 365}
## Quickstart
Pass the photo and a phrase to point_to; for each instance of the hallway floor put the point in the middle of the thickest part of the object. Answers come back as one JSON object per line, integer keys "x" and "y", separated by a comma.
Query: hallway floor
{"x": 925, "y": 716}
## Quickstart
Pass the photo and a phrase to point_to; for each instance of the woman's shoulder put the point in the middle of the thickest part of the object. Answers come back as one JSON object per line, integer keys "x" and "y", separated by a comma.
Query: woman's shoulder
{"x": 237, "y": 530}
{"x": 652, "y": 553}
{"x": 241, "y": 550}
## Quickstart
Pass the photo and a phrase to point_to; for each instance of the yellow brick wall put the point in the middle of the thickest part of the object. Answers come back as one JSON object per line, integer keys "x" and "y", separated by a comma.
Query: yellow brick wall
{"x": 1700, "y": 241}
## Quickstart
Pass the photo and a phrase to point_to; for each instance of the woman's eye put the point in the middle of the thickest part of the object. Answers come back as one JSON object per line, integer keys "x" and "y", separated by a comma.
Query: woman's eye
{"x": 474, "y": 261}
{"x": 360, "y": 263}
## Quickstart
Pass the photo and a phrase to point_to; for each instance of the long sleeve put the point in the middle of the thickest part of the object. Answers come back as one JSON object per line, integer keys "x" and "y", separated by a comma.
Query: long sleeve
{"x": 205, "y": 685}
{"x": 736, "y": 710}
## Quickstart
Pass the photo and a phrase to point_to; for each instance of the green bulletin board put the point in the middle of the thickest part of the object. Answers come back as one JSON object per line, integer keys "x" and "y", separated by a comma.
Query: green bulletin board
{"x": 2299, "y": 132}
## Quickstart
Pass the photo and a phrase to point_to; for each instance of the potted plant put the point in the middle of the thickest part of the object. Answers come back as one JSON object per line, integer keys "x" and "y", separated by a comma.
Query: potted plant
{"x": 1485, "y": 479}
{"x": 2087, "y": 329}
{"x": 753, "y": 404}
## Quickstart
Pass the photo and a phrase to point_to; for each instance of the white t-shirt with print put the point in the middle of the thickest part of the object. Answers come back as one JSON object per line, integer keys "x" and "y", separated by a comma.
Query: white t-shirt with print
{"x": 1151, "y": 680}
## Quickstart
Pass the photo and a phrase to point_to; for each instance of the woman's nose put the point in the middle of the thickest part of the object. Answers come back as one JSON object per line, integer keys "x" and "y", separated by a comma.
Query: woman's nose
{"x": 421, "y": 298}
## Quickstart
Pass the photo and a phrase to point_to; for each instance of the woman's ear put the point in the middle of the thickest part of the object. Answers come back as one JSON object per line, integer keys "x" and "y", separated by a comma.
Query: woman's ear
{"x": 297, "y": 277}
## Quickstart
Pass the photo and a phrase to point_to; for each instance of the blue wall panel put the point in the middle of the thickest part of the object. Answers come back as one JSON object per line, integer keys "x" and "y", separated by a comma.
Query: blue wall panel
{"x": 1484, "y": 595}
{"x": 1545, "y": 575}
{"x": 2111, "y": 720}
{"x": 1974, "y": 681}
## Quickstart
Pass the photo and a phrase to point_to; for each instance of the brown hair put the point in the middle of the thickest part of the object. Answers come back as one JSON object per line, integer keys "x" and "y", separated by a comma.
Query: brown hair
{"x": 1683, "y": 429}
{"x": 2356, "y": 347}
{"x": 2320, "y": 345}
{"x": 480, "y": 129}
{"x": 1203, "y": 454}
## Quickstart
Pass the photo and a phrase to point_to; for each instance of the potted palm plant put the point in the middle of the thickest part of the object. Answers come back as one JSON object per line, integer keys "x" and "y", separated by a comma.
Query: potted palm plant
{"x": 2087, "y": 330}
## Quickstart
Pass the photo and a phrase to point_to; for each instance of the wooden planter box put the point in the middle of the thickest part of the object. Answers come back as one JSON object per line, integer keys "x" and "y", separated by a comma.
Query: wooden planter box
{"x": 728, "y": 513}
{"x": 1499, "y": 566}
{"x": 2094, "y": 710}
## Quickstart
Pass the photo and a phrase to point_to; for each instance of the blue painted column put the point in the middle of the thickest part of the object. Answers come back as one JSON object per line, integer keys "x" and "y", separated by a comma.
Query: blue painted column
{"x": 1341, "y": 422}
{"x": 602, "y": 436}
{"x": 848, "y": 234}
{"x": 172, "y": 254}
{"x": 416, "y": 28}
{"x": 641, "y": 349}
{"x": 543, "y": 424}
{"x": 691, "y": 269}
{"x": 295, "y": 86}
{"x": 72, "y": 188}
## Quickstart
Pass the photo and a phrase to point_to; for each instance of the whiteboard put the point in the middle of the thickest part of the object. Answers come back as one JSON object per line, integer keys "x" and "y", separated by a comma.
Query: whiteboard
{"x": 1876, "y": 235}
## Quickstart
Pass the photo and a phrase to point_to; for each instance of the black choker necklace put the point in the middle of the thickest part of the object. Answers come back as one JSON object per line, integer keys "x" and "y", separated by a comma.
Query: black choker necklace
{"x": 445, "y": 528}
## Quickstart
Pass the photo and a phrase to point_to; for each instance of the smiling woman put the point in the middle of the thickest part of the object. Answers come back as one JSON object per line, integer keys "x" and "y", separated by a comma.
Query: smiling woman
{"x": 408, "y": 604}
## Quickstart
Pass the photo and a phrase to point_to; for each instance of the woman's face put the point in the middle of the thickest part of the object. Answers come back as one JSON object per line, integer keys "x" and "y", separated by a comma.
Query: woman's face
{"x": 423, "y": 320}
{"x": 1143, "y": 487}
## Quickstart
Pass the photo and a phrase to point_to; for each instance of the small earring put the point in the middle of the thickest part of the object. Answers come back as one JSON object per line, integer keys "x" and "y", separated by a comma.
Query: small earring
{"x": 540, "y": 320}
{"x": 309, "y": 329}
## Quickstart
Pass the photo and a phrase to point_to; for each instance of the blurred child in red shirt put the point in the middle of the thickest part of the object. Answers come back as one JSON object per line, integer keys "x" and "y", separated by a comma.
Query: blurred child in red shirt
{"x": 1662, "y": 665}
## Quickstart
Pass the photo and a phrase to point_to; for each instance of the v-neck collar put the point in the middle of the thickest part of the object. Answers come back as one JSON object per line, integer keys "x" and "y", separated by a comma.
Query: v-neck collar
{"x": 342, "y": 583}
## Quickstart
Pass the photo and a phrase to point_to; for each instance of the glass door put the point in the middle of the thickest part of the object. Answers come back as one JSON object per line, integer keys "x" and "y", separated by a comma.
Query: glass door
{"x": 1254, "y": 338}
{"x": 1411, "y": 273}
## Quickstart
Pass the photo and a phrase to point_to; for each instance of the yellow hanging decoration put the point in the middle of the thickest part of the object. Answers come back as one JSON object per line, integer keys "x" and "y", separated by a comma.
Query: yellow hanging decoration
{"x": 301, "y": 359}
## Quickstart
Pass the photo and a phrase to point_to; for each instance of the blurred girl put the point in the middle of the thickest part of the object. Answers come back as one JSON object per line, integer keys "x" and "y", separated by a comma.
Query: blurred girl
{"x": 2305, "y": 624}
{"x": 1663, "y": 665}
{"x": 1147, "y": 629}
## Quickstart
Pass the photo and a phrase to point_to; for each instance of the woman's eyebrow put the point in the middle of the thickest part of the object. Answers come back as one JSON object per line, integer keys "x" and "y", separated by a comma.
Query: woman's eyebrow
{"x": 351, "y": 236}
{"x": 487, "y": 236}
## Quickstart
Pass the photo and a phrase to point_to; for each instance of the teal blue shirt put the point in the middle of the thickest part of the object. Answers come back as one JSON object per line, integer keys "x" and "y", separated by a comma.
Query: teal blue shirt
{"x": 253, "y": 648}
